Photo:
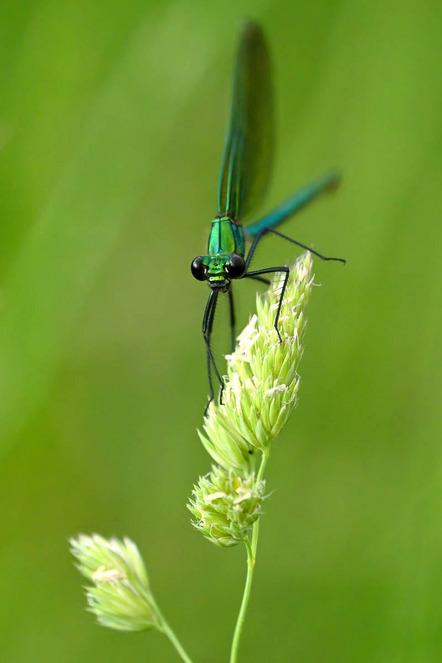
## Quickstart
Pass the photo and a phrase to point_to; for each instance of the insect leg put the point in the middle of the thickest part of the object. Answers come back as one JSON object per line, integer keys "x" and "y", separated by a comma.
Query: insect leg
{"x": 303, "y": 246}
{"x": 264, "y": 232}
{"x": 232, "y": 320}
{"x": 258, "y": 278}
{"x": 207, "y": 325}
{"x": 272, "y": 270}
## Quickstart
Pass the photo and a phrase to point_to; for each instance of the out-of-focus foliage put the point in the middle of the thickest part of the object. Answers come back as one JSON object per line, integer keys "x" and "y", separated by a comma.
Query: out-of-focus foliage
{"x": 112, "y": 118}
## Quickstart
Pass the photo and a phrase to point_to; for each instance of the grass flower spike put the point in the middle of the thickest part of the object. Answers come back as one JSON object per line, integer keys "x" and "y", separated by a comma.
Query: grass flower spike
{"x": 262, "y": 384}
{"x": 226, "y": 506}
{"x": 120, "y": 596}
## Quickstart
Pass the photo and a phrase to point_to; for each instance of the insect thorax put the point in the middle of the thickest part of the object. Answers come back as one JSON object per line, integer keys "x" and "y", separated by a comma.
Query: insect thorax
{"x": 226, "y": 238}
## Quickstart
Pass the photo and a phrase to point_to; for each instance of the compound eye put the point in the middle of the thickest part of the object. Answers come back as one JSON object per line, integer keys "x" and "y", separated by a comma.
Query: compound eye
{"x": 198, "y": 269}
{"x": 236, "y": 266}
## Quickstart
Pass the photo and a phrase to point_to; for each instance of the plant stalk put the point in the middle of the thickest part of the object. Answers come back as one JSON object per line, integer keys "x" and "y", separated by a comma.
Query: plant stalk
{"x": 251, "y": 560}
{"x": 169, "y": 633}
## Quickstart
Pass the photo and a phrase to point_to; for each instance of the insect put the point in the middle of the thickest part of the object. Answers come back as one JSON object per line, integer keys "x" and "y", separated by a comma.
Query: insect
{"x": 244, "y": 178}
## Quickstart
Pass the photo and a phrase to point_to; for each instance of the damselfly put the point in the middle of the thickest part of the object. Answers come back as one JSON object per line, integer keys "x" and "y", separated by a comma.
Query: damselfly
{"x": 244, "y": 177}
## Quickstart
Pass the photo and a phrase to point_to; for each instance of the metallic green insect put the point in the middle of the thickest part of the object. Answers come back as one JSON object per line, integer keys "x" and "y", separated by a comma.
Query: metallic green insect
{"x": 244, "y": 178}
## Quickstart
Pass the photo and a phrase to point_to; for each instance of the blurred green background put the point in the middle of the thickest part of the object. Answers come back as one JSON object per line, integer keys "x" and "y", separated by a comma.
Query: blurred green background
{"x": 112, "y": 119}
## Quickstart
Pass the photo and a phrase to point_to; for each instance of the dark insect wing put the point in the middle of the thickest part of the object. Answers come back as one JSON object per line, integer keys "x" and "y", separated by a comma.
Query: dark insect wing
{"x": 248, "y": 152}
